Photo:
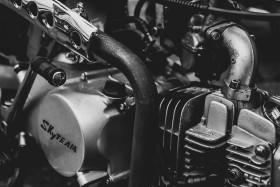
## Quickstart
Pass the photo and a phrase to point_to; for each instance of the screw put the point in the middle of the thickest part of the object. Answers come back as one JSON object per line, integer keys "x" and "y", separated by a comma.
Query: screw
{"x": 215, "y": 35}
{"x": 80, "y": 5}
{"x": 83, "y": 76}
{"x": 71, "y": 56}
{"x": 262, "y": 151}
{"x": 122, "y": 107}
{"x": 195, "y": 28}
{"x": 234, "y": 176}
{"x": 130, "y": 101}
{"x": 80, "y": 10}
{"x": 154, "y": 30}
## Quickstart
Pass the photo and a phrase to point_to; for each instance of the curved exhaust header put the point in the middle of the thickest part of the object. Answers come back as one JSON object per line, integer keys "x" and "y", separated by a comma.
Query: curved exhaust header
{"x": 243, "y": 60}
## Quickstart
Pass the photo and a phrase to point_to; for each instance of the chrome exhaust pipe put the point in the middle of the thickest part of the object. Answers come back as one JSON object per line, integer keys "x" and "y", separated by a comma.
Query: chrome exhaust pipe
{"x": 57, "y": 20}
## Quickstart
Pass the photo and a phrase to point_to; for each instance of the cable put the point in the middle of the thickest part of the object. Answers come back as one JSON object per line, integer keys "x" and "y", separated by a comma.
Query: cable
{"x": 245, "y": 15}
{"x": 222, "y": 12}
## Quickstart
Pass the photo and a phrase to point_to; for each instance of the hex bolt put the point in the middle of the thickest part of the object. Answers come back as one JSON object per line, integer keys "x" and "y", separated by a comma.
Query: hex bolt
{"x": 80, "y": 5}
{"x": 83, "y": 76}
{"x": 154, "y": 31}
{"x": 262, "y": 151}
{"x": 234, "y": 174}
{"x": 215, "y": 35}
{"x": 195, "y": 28}
{"x": 122, "y": 107}
{"x": 234, "y": 84}
{"x": 80, "y": 10}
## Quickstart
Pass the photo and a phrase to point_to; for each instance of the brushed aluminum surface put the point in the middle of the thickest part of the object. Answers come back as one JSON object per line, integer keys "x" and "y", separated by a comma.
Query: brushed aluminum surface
{"x": 79, "y": 128}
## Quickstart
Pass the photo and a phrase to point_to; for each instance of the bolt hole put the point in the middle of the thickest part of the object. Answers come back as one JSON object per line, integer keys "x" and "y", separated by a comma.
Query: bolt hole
{"x": 17, "y": 3}
{"x": 32, "y": 9}
{"x": 48, "y": 20}
{"x": 76, "y": 39}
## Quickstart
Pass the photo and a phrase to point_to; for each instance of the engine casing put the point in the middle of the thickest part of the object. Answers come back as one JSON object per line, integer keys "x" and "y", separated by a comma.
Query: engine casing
{"x": 78, "y": 127}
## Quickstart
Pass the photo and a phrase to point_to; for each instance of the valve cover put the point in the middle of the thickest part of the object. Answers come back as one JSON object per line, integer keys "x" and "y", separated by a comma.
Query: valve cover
{"x": 81, "y": 129}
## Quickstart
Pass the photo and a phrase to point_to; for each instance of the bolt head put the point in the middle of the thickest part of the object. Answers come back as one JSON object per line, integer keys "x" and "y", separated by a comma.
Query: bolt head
{"x": 234, "y": 176}
{"x": 262, "y": 151}
{"x": 80, "y": 5}
{"x": 84, "y": 76}
{"x": 215, "y": 35}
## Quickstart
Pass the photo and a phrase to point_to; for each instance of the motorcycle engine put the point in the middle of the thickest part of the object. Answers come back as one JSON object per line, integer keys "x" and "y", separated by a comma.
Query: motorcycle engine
{"x": 222, "y": 134}
{"x": 206, "y": 137}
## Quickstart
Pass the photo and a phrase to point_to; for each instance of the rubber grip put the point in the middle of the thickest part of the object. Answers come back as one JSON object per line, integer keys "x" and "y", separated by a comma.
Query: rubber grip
{"x": 54, "y": 75}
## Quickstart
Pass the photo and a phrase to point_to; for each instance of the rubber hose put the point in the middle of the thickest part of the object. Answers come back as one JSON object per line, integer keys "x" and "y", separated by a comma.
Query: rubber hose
{"x": 138, "y": 7}
{"x": 145, "y": 93}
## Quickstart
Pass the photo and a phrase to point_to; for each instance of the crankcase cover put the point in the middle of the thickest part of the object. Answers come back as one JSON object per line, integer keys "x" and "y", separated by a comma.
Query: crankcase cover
{"x": 81, "y": 130}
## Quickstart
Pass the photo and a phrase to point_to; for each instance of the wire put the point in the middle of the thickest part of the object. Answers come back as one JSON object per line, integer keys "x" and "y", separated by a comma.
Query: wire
{"x": 220, "y": 11}
{"x": 245, "y": 14}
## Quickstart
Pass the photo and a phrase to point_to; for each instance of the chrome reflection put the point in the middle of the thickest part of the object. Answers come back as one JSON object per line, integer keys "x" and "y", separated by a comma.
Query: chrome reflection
{"x": 76, "y": 39}
{"x": 58, "y": 21}
{"x": 17, "y": 3}
{"x": 48, "y": 19}
{"x": 32, "y": 9}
